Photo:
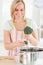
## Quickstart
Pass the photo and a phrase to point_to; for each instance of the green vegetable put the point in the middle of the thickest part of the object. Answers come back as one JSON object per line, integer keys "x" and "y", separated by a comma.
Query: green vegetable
{"x": 28, "y": 30}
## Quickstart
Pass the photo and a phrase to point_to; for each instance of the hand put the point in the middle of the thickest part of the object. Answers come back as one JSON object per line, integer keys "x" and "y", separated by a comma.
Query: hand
{"x": 28, "y": 36}
{"x": 21, "y": 44}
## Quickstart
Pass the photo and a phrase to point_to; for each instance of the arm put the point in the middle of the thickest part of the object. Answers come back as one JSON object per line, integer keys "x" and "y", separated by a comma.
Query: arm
{"x": 33, "y": 38}
{"x": 7, "y": 42}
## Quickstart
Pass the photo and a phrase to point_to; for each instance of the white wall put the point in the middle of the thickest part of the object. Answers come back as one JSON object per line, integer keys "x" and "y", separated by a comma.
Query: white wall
{"x": 0, "y": 13}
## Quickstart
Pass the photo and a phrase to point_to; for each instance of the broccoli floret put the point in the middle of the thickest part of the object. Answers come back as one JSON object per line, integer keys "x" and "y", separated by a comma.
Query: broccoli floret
{"x": 28, "y": 30}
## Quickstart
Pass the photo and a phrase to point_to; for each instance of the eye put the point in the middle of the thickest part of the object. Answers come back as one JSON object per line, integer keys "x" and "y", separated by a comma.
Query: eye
{"x": 16, "y": 9}
{"x": 21, "y": 9}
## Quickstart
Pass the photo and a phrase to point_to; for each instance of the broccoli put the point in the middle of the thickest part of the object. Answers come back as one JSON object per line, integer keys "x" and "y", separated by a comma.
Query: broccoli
{"x": 27, "y": 30}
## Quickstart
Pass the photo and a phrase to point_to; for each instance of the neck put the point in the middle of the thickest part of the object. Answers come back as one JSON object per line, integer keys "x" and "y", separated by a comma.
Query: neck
{"x": 18, "y": 20}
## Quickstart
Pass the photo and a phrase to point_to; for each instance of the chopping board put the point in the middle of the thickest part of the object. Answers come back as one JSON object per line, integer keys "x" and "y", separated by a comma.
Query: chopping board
{"x": 7, "y": 60}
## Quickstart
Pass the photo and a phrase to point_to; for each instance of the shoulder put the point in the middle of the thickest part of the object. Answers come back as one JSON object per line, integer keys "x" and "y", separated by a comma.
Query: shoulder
{"x": 28, "y": 21}
{"x": 8, "y": 25}
{"x": 31, "y": 23}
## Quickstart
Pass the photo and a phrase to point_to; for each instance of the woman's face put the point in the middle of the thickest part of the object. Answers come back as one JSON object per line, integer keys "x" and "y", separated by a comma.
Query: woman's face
{"x": 19, "y": 11}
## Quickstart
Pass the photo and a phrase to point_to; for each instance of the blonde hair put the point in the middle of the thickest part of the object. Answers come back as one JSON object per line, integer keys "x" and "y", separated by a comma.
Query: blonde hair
{"x": 13, "y": 5}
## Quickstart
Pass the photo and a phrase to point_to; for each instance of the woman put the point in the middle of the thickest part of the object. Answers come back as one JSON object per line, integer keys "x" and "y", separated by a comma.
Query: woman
{"x": 14, "y": 30}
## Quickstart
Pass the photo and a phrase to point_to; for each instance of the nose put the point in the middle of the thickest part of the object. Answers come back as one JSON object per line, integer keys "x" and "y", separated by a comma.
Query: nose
{"x": 19, "y": 13}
